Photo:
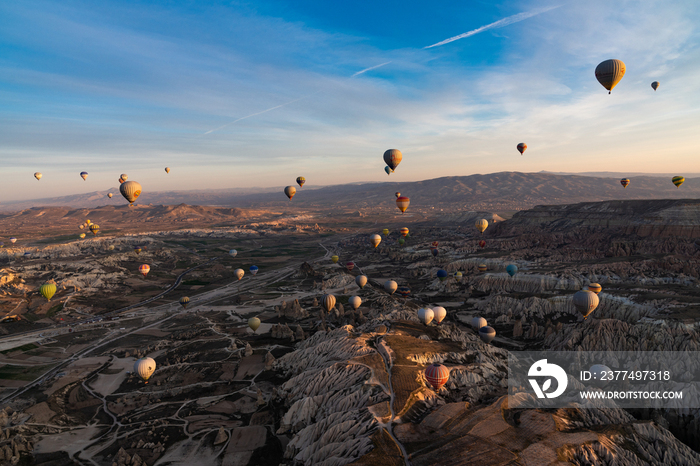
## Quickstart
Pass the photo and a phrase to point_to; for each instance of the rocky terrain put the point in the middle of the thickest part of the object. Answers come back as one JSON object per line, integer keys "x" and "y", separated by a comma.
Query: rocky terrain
{"x": 339, "y": 386}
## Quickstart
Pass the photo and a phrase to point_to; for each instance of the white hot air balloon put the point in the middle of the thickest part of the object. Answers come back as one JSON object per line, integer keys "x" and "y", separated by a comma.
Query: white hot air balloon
{"x": 390, "y": 286}
{"x": 425, "y": 314}
{"x": 355, "y": 302}
{"x": 478, "y": 322}
{"x": 440, "y": 313}
{"x": 145, "y": 368}
{"x": 361, "y": 281}
{"x": 238, "y": 273}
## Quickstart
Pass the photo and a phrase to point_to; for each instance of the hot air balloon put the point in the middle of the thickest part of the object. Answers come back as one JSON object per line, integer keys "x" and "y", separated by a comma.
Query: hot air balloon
{"x": 478, "y": 322}
{"x": 655, "y": 85}
{"x": 124, "y": 177}
{"x": 440, "y": 313}
{"x": 375, "y": 239}
{"x": 290, "y": 191}
{"x": 94, "y": 228}
{"x": 233, "y": 253}
{"x": 361, "y": 281}
{"x": 120, "y": 181}
{"x": 625, "y": 182}
{"x": 512, "y": 269}
{"x": 678, "y": 181}
{"x": 137, "y": 249}
{"x": 404, "y": 231}
{"x": 13, "y": 240}
{"x": 238, "y": 273}
{"x": 487, "y": 334}
{"x": 442, "y": 275}
{"x": 404, "y": 291}
{"x": 388, "y": 170}
{"x": 167, "y": 169}
{"x": 435, "y": 244}
{"x": 402, "y": 203}
{"x": 434, "y": 251}
{"x": 2, "y": 245}
{"x": 300, "y": 181}
{"x": 425, "y": 315}
{"x": 184, "y": 301}
{"x": 401, "y": 241}
{"x": 595, "y": 287}
{"x": 88, "y": 221}
{"x": 483, "y": 268}
{"x": 390, "y": 286}
{"x": 437, "y": 375}
{"x": 392, "y": 158}
{"x": 109, "y": 195}
{"x": 385, "y": 232}
{"x": 84, "y": 175}
{"x": 397, "y": 194}
{"x": 355, "y": 302}
{"x": 145, "y": 368}
{"x": 481, "y": 225}
{"x": 131, "y": 190}
{"x": 81, "y": 235}
{"x": 47, "y": 290}
{"x": 609, "y": 73}
{"x": 585, "y": 302}
{"x": 144, "y": 269}
{"x": 253, "y": 269}
{"x": 458, "y": 276}
{"x": 482, "y": 244}
{"x": 38, "y": 175}
{"x": 350, "y": 265}
{"x": 82, "y": 226}
{"x": 328, "y": 302}
{"x": 335, "y": 259}
{"x": 254, "y": 323}
{"x": 111, "y": 247}
{"x": 522, "y": 147}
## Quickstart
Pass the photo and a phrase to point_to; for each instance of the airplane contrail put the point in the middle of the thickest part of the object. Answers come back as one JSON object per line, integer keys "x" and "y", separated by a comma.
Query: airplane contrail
{"x": 497, "y": 24}
{"x": 369, "y": 69}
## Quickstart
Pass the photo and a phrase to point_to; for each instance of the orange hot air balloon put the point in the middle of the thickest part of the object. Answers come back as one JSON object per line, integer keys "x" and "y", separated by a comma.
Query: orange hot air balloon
{"x": 144, "y": 269}
{"x": 402, "y": 203}
{"x": 404, "y": 232}
{"x": 397, "y": 194}
{"x": 624, "y": 182}
{"x": 522, "y": 147}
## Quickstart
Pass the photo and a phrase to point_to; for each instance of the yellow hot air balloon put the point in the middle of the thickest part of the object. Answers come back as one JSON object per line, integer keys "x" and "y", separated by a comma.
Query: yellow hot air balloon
{"x": 335, "y": 259}
{"x": 131, "y": 190}
{"x": 145, "y": 368}
{"x": 375, "y": 239}
{"x": 167, "y": 169}
{"x": 609, "y": 73}
{"x": 300, "y": 181}
{"x": 678, "y": 181}
{"x": 47, "y": 290}
{"x": 385, "y": 232}
{"x": 94, "y": 228}
{"x": 595, "y": 287}
{"x": 482, "y": 225}
{"x": 290, "y": 191}
{"x": 38, "y": 175}
{"x": 81, "y": 235}
{"x": 184, "y": 301}
{"x": 109, "y": 195}
{"x": 254, "y": 323}
{"x": 402, "y": 203}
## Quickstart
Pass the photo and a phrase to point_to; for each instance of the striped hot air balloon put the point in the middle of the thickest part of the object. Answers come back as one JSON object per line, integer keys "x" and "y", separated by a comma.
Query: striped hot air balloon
{"x": 404, "y": 232}
{"x": 300, "y": 181}
{"x": 481, "y": 225}
{"x": 625, "y": 182}
{"x": 402, "y": 203}
{"x": 483, "y": 268}
{"x": 328, "y": 302}
{"x": 84, "y": 175}
{"x": 437, "y": 375}
{"x": 350, "y": 265}
{"x": 375, "y": 239}
{"x": 404, "y": 291}
{"x": 144, "y": 269}
{"x": 678, "y": 181}
{"x": 184, "y": 301}
{"x": 522, "y": 147}
{"x": 595, "y": 287}
{"x": 609, "y": 73}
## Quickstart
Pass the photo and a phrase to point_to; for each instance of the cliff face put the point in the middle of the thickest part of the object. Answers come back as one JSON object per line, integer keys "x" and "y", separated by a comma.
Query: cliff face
{"x": 649, "y": 218}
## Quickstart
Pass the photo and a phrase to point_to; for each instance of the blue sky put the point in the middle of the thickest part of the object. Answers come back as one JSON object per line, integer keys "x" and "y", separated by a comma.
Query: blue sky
{"x": 134, "y": 86}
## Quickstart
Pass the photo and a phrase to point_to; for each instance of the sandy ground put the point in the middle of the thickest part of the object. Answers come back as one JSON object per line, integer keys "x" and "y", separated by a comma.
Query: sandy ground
{"x": 106, "y": 384}
{"x": 41, "y": 413}
{"x": 77, "y": 371}
{"x": 70, "y": 442}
